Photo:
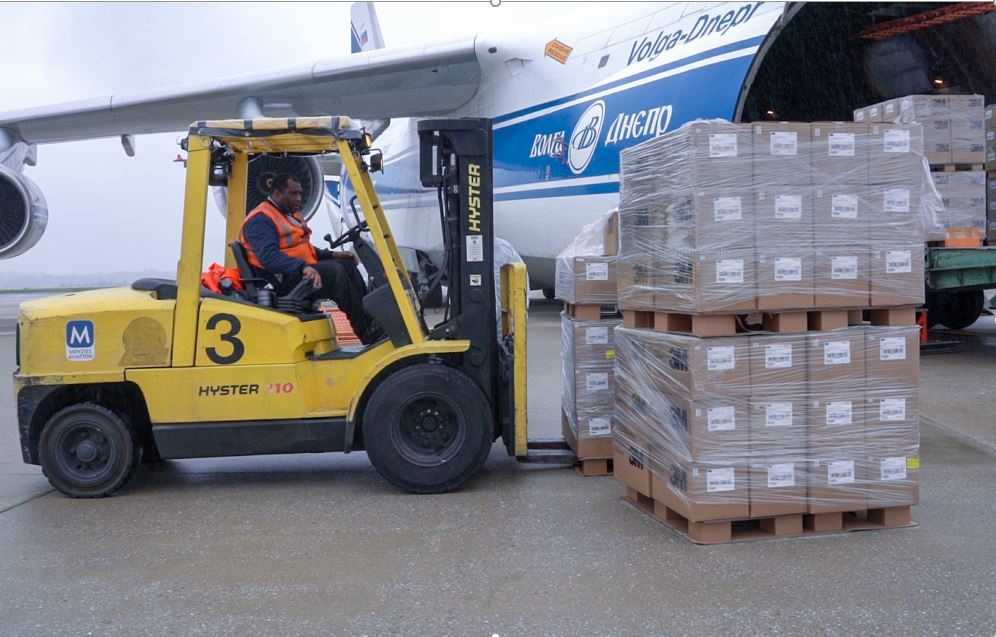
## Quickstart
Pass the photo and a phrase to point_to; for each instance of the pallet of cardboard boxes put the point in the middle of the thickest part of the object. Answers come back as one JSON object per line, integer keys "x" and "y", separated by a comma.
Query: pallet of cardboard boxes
{"x": 586, "y": 282}
{"x": 809, "y": 425}
{"x": 956, "y": 145}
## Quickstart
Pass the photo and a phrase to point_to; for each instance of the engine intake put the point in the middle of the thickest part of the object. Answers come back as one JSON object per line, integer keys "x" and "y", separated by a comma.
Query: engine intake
{"x": 23, "y": 213}
{"x": 263, "y": 168}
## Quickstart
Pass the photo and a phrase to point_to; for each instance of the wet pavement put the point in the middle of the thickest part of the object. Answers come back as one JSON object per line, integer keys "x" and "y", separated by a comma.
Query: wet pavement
{"x": 320, "y": 545}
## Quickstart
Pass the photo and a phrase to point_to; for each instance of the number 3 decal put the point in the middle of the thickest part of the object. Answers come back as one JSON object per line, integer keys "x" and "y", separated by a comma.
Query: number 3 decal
{"x": 238, "y": 347}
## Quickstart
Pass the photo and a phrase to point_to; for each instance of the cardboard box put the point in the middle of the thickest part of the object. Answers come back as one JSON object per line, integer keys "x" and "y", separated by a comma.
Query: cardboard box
{"x": 896, "y": 213}
{"x": 779, "y": 423}
{"x": 784, "y": 212}
{"x": 630, "y": 464}
{"x": 916, "y": 108}
{"x": 875, "y": 113}
{"x": 699, "y": 368}
{"x": 714, "y": 153}
{"x": 705, "y": 281}
{"x": 842, "y": 275}
{"x": 892, "y": 479}
{"x": 968, "y": 144}
{"x": 836, "y": 361}
{"x": 991, "y": 210}
{"x": 778, "y": 363}
{"x": 704, "y": 430}
{"x": 584, "y": 447}
{"x": 840, "y": 153}
{"x": 841, "y": 214}
{"x": 777, "y": 486}
{"x": 635, "y": 282}
{"x": 784, "y": 274}
{"x": 937, "y": 140}
{"x": 710, "y": 220}
{"x": 861, "y": 115}
{"x": 701, "y": 491}
{"x": 990, "y": 142}
{"x": 587, "y": 280}
{"x": 837, "y": 423}
{"x": 892, "y": 357}
{"x": 896, "y": 275}
{"x": 895, "y": 154}
{"x": 989, "y": 117}
{"x": 963, "y": 195}
{"x": 892, "y": 418}
{"x": 782, "y": 154}
{"x": 835, "y": 484}
{"x": 891, "y": 111}
{"x": 641, "y": 228}
{"x": 588, "y": 343}
{"x": 610, "y": 235}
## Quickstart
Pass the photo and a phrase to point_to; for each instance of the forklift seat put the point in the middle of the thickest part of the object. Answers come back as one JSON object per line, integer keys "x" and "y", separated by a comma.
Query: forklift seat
{"x": 249, "y": 279}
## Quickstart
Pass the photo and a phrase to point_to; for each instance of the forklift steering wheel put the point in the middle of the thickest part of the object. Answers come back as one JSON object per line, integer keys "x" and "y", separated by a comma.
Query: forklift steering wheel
{"x": 347, "y": 236}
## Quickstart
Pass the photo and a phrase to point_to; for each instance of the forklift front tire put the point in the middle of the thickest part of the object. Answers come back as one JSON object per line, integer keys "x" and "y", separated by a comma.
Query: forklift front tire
{"x": 427, "y": 429}
{"x": 87, "y": 451}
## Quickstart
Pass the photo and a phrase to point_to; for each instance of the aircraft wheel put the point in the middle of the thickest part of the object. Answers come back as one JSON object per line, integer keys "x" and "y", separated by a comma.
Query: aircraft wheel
{"x": 87, "y": 451}
{"x": 428, "y": 428}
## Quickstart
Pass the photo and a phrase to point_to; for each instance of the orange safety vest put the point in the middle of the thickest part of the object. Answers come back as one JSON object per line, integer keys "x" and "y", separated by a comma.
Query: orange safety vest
{"x": 293, "y": 232}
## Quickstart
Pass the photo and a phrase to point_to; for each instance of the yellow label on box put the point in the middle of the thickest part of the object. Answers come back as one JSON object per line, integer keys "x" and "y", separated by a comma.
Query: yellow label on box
{"x": 610, "y": 354}
{"x": 913, "y": 462}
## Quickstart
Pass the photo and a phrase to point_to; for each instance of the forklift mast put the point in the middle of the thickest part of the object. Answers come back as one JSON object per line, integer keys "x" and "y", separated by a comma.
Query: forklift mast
{"x": 455, "y": 158}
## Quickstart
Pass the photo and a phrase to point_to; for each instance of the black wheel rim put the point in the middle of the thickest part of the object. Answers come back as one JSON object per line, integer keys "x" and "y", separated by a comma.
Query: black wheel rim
{"x": 428, "y": 429}
{"x": 86, "y": 453}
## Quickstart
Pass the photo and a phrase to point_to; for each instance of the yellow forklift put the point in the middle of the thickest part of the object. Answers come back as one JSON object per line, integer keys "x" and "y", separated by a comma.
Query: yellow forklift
{"x": 169, "y": 369}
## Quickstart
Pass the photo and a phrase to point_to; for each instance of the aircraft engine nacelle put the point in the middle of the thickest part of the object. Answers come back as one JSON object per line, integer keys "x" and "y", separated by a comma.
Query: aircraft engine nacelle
{"x": 23, "y": 213}
{"x": 262, "y": 170}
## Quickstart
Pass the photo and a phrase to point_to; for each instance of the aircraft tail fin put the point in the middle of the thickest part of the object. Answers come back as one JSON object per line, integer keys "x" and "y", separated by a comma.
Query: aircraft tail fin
{"x": 365, "y": 28}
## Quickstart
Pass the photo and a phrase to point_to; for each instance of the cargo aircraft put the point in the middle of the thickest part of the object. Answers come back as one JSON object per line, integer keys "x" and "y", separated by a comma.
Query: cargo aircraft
{"x": 565, "y": 98}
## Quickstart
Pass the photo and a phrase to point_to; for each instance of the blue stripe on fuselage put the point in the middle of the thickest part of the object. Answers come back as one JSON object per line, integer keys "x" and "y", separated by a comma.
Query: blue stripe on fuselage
{"x": 707, "y": 92}
{"x": 727, "y": 48}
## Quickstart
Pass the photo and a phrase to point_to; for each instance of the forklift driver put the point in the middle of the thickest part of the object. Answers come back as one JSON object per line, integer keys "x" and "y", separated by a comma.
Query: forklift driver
{"x": 276, "y": 241}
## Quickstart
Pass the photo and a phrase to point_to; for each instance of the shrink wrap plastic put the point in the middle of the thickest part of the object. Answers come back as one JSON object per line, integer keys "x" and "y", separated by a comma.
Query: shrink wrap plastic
{"x": 718, "y": 217}
{"x": 589, "y": 375}
{"x": 583, "y": 274}
{"x": 762, "y": 425}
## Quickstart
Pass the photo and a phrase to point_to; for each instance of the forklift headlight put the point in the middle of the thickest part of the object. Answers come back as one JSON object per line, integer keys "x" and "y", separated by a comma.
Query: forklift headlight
{"x": 376, "y": 162}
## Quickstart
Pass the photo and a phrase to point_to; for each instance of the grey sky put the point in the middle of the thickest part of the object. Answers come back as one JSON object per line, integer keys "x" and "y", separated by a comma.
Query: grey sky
{"x": 108, "y": 212}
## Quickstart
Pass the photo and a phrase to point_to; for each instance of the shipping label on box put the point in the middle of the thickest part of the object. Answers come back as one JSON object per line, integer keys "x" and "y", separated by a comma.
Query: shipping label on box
{"x": 840, "y": 153}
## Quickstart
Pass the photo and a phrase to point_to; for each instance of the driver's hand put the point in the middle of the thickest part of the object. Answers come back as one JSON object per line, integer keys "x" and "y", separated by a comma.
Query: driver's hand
{"x": 345, "y": 255}
{"x": 311, "y": 274}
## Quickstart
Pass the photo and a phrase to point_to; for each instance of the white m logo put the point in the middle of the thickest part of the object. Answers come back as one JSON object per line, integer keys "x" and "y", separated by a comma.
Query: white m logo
{"x": 80, "y": 336}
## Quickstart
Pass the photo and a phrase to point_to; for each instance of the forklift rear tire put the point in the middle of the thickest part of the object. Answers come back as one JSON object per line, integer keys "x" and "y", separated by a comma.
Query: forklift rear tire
{"x": 427, "y": 429}
{"x": 549, "y": 294}
{"x": 87, "y": 451}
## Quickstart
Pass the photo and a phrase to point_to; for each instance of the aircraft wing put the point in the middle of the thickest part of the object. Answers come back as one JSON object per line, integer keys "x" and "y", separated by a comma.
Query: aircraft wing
{"x": 376, "y": 84}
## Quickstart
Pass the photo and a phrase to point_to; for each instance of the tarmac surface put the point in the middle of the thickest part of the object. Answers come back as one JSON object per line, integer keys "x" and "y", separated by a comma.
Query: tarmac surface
{"x": 321, "y": 545}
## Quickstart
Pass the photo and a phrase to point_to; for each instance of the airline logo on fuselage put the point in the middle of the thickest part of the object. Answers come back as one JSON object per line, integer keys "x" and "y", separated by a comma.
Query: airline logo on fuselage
{"x": 650, "y": 48}
{"x": 584, "y": 139}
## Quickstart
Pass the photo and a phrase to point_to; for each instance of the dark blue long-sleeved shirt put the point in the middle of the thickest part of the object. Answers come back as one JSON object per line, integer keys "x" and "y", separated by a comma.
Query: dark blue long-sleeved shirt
{"x": 262, "y": 235}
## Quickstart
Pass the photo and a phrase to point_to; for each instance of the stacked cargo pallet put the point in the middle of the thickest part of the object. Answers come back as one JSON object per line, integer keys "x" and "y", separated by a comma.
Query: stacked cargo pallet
{"x": 990, "y": 123}
{"x": 955, "y": 146}
{"x": 810, "y": 425}
{"x": 586, "y": 282}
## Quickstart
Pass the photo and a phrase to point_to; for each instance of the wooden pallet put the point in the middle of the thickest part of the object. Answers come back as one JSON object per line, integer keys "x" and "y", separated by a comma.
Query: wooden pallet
{"x": 583, "y": 312}
{"x": 594, "y": 467}
{"x": 778, "y": 322}
{"x": 769, "y": 528}
{"x": 951, "y": 168}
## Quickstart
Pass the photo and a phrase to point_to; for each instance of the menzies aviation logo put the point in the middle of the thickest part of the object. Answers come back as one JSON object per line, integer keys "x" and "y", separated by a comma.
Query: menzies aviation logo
{"x": 80, "y": 339}
{"x": 584, "y": 139}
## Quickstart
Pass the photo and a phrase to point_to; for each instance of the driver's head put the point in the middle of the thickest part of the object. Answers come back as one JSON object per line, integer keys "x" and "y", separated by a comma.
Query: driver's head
{"x": 286, "y": 192}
